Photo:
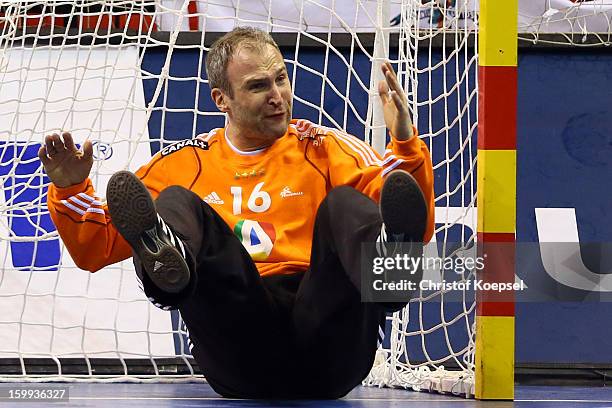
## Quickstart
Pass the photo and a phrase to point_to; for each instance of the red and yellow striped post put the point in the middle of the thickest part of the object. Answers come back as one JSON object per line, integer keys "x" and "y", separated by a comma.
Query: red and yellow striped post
{"x": 497, "y": 79}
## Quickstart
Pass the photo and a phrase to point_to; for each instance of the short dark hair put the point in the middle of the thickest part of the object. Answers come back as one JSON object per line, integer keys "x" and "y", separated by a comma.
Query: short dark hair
{"x": 223, "y": 49}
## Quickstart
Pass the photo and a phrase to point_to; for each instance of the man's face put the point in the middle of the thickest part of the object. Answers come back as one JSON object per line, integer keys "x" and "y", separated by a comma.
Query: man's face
{"x": 260, "y": 109}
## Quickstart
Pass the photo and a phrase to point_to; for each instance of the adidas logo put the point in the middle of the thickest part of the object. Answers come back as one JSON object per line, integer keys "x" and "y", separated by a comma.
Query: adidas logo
{"x": 157, "y": 266}
{"x": 213, "y": 198}
{"x": 288, "y": 193}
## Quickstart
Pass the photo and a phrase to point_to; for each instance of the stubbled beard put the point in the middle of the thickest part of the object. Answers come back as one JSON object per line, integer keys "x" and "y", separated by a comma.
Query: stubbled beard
{"x": 285, "y": 125}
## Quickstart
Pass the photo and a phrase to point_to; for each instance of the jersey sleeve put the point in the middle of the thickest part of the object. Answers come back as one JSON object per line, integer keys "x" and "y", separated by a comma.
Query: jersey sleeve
{"x": 83, "y": 221}
{"x": 353, "y": 162}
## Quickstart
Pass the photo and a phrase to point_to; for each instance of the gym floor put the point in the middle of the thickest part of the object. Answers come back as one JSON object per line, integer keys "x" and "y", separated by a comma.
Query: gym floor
{"x": 201, "y": 395}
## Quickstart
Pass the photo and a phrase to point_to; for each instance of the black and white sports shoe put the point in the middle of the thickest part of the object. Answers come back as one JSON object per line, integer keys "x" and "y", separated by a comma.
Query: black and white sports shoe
{"x": 403, "y": 210}
{"x": 160, "y": 250}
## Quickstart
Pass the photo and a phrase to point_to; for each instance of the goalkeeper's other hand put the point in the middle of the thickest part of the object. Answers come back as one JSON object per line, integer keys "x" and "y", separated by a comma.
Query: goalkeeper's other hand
{"x": 394, "y": 104}
{"x": 63, "y": 162}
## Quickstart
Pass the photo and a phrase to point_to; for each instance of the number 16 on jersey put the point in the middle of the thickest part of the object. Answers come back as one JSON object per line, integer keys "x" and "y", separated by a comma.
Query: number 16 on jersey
{"x": 259, "y": 201}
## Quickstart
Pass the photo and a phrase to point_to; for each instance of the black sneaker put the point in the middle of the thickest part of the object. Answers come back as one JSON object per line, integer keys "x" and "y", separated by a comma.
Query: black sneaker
{"x": 160, "y": 250}
{"x": 404, "y": 213}
{"x": 403, "y": 209}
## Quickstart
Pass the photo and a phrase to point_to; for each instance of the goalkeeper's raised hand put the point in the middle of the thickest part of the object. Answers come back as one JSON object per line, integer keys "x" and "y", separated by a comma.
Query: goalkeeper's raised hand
{"x": 63, "y": 162}
{"x": 395, "y": 105}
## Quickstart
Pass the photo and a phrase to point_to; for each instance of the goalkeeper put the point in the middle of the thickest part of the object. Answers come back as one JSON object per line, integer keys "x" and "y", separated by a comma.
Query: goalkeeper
{"x": 254, "y": 231}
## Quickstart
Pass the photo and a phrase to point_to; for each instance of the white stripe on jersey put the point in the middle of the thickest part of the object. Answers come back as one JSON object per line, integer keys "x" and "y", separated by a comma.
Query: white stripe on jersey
{"x": 305, "y": 128}
{"x": 366, "y": 147}
{"x": 86, "y": 206}
{"x": 73, "y": 207}
{"x": 388, "y": 159}
{"x": 92, "y": 200}
{"x": 391, "y": 167}
{"x": 79, "y": 202}
{"x": 359, "y": 150}
{"x": 364, "y": 150}
{"x": 369, "y": 149}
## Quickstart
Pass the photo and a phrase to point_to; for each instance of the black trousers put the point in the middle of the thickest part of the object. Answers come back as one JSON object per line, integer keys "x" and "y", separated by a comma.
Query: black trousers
{"x": 306, "y": 335}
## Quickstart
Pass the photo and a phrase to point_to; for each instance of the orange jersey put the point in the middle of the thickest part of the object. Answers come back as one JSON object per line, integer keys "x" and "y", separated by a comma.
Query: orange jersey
{"x": 269, "y": 197}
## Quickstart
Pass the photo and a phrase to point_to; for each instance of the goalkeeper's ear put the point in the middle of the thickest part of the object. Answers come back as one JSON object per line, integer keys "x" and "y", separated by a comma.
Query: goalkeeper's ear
{"x": 219, "y": 97}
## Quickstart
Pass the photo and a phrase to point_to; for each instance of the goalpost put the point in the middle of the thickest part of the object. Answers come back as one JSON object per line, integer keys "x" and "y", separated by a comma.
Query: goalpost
{"x": 130, "y": 77}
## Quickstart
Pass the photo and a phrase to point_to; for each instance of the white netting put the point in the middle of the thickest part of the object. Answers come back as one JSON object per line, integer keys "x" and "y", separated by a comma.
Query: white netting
{"x": 431, "y": 342}
{"x": 576, "y": 22}
{"x": 124, "y": 75}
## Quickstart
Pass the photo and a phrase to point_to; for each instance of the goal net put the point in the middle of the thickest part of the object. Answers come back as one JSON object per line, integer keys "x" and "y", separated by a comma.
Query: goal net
{"x": 577, "y": 23}
{"x": 129, "y": 76}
